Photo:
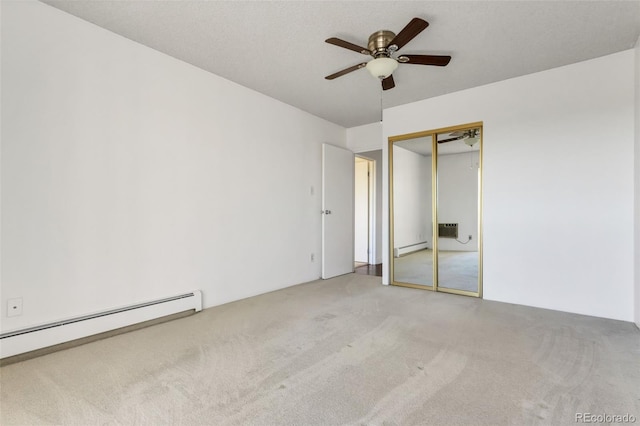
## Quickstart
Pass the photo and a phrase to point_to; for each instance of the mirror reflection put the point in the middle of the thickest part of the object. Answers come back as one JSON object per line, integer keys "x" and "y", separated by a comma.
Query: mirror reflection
{"x": 412, "y": 207}
{"x": 457, "y": 206}
{"x": 435, "y": 241}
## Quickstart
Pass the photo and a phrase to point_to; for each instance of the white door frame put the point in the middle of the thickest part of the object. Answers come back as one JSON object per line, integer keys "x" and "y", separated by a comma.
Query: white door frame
{"x": 371, "y": 209}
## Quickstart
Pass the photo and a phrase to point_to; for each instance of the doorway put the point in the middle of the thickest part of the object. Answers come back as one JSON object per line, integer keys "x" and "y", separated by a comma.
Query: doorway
{"x": 366, "y": 214}
{"x": 362, "y": 211}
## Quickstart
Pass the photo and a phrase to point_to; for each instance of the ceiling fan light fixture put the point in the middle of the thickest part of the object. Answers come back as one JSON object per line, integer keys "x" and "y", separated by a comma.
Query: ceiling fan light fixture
{"x": 382, "y": 67}
{"x": 471, "y": 141}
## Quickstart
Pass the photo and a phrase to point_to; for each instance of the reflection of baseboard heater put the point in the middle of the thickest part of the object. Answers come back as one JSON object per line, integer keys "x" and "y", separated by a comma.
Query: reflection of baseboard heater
{"x": 399, "y": 251}
{"x": 29, "y": 339}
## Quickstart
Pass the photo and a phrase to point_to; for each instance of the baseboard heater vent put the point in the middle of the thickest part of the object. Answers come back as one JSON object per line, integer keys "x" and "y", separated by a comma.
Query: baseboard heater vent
{"x": 399, "y": 251}
{"x": 29, "y": 339}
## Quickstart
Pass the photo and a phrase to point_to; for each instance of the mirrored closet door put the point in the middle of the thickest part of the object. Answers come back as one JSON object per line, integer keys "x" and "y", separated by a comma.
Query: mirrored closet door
{"x": 412, "y": 201}
{"x": 435, "y": 195}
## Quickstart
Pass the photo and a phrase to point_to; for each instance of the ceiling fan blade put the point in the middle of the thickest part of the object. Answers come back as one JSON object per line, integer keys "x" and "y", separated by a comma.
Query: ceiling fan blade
{"x": 341, "y": 43}
{"x": 436, "y": 60}
{"x": 413, "y": 28}
{"x": 450, "y": 139}
{"x": 346, "y": 71}
{"x": 388, "y": 83}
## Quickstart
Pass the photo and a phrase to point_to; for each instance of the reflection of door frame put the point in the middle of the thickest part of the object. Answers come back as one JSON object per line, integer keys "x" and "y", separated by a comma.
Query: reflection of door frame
{"x": 434, "y": 205}
{"x": 371, "y": 219}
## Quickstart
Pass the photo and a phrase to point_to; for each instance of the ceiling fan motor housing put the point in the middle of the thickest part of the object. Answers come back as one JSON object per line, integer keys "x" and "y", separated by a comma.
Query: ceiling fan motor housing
{"x": 379, "y": 42}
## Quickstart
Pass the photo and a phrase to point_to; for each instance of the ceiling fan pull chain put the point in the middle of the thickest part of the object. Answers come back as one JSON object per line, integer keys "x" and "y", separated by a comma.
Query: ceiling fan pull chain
{"x": 381, "y": 93}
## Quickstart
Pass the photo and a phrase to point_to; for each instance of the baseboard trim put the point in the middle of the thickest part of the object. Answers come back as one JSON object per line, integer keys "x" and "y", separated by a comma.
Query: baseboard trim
{"x": 93, "y": 338}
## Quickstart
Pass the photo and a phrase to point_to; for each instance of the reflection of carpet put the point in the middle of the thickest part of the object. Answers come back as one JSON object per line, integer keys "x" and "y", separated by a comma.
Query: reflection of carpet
{"x": 414, "y": 268}
{"x": 457, "y": 269}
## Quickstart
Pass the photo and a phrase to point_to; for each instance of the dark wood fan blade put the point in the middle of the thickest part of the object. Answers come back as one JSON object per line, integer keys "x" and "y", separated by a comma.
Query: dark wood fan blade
{"x": 436, "y": 60}
{"x": 450, "y": 139}
{"x": 341, "y": 43}
{"x": 413, "y": 28}
{"x": 346, "y": 71}
{"x": 388, "y": 83}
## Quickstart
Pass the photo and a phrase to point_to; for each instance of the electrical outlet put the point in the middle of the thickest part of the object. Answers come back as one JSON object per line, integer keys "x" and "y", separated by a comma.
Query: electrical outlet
{"x": 313, "y": 257}
{"x": 14, "y": 307}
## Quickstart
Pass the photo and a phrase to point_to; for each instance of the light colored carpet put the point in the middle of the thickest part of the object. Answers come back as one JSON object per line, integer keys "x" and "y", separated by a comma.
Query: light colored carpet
{"x": 456, "y": 269}
{"x": 342, "y": 351}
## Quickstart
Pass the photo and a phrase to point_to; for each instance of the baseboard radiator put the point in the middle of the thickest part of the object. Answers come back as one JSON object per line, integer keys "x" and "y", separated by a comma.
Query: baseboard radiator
{"x": 29, "y": 339}
{"x": 399, "y": 251}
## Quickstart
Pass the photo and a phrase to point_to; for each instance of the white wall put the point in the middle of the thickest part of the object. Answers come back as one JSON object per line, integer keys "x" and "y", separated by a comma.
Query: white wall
{"x": 128, "y": 175}
{"x": 412, "y": 215}
{"x": 637, "y": 185}
{"x": 558, "y": 182}
{"x": 365, "y": 138}
{"x": 458, "y": 198}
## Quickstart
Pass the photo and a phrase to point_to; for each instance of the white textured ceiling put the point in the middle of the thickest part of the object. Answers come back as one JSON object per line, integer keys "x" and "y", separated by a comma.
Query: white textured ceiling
{"x": 277, "y": 47}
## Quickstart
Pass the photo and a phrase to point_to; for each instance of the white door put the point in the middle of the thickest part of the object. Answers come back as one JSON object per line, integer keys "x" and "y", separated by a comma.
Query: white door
{"x": 337, "y": 211}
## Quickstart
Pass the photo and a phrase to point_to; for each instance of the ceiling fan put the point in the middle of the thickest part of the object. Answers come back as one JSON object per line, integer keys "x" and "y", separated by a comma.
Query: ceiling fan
{"x": 383, "y": 46}
{"x": 470, "y": 137}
